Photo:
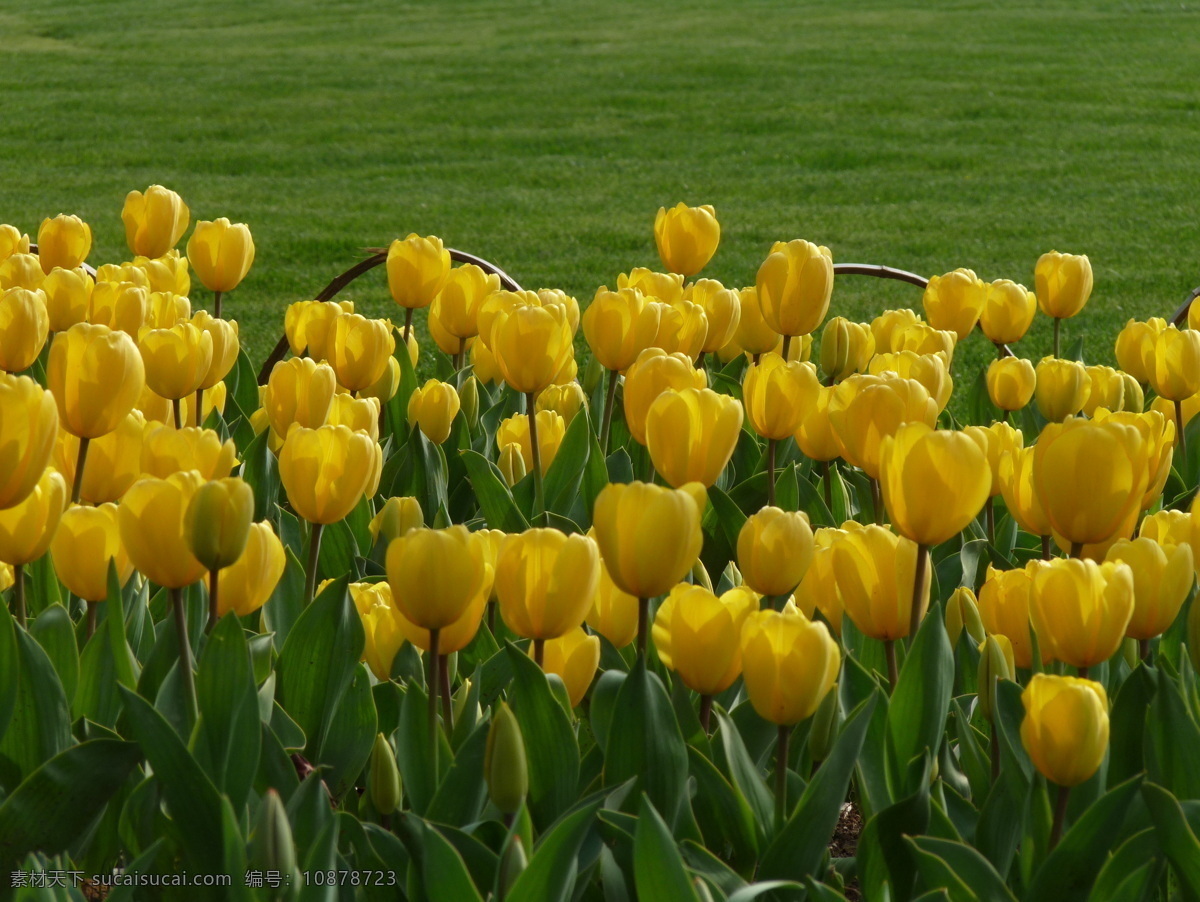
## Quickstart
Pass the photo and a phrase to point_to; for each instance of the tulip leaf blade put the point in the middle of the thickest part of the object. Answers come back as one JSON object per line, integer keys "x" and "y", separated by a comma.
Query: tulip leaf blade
{"x": 40, "y": 725}
{"x": 940, "y": 860}
{"x": 744, "y": 773}
{"x": 1135, "y": 867}
{"x": 810, "y": 501}
{"x": 657, "y": 866}
{"x": 722, "y": 811}
{"x": 260, "y": 470}
{"x": 552, "y": 867}
{"x": 882, "y": 860}
{"x": 564, "y": 476}
{"x": 495, "y": 500}
{"x": 10, "y": 669}
{"x": 286, "y": 603}
{"x": 1175, "y": 836}
{"x": 55, "y": 633}
{"x": 918, "y": 708}
{"x": 442, "y": 870}
{"x": 1173, "y": 743}
{"x": 463, "y": 791}
{"x": 1127, "y": 731}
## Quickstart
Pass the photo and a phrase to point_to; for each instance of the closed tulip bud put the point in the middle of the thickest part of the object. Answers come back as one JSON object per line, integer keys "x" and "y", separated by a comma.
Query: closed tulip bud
{"x": 1020, "y": 495}
{"x": 154, "y": 221}
{"x": 326, "y": 471}
{"x": 698, "y": 635}
{"x": 753, "y": 334}
{"x": 653, "y": 373}
{"x": 96, "y": 376}
{"x": 435, "y": 574}
{"x": 1135, "y": 347}
{"x": 954, "y": 302}
{"x": 176, "y": 360}
{"x": 996, "y": 441}
{"x": 1080, "y": 609}
{"x": 151, "y": 518}
{"x": 166, "y": 450}
{"x": 687, "y": 237}
{"x": 459, "y": 634}
{"x": 68, "y": 293}
{"x": 789, "y": 663}
{"x": 21, "y": 271}
{"x": 299, "y": 391}
{"x": 819, "y": 591}
{"x": 774, "y": 550}
{"x": 875, "y": 570}
{"x": 461, "y": 296}
{"x": 691, "y": 434}
{"x": 1008, "y": 311}
{"x": 1176, "y": 372}
{"x": 962, "y": 613}
{"x": 361, "y": 349}
{"x": 794, "y": 285}
{"x": 225, "y": 346}
{"x": 888, "y": 327}
{"x": 382, "y": 635}
{"x": 114, "y": 461}
{"x": 1161, "y": 583}
{"x": 1090, "y": 477}
{"x": 928, "y": 369}
{"x": 1065, "y": 730}
{"x": 123, "y": 306}
{"x": 865, "y": 409}
{"x": 1170, "y": 528}
{"x": 514, "y": 431}
{"x": 512, "y": 463}
{"x": 383, "y": 780}
{"x": 649, "y": 536}
{"x": 1062, "y": 388}
{"x": 12, "y": 241}
{"x": 573, "y": 658}
{"x": 1063, "y": 283}
{"x": 661, "y": 286}
{"x": 565, "y": 400}
{"x": 1010, "y": 382}
{"x": 722, "y": 309}
{"x": 846, "y": 348}
{"x": 24, "y": 324}
{"x": 217, "y": 523}
{"x": 614, "y": 612}
{"x": 27, "y": 528}
{"x": 1004, "y": 602}
{"x": 271, "y": 846}
{"x": 619, "y": 325}
{"x": 531, "y": 344}
{"x": 417, "y": 268}
{"x": 995, "y": 663}
{"x": 545, "y": 582}
{"x": 64, "y": 241}
{"x": 221, "y": 253}
{"x": 814, "y": 437}
{"x": 504, "y": 767}
{"x": 28, "y": 426}
{"x": 246, "y": 585}
{"x": 168, "y": 273}
{"x": 86, "y": 541}
{"x": 396, "y": 518}
{"x": 776, "y": 394}
{"x": 432, "y": 408}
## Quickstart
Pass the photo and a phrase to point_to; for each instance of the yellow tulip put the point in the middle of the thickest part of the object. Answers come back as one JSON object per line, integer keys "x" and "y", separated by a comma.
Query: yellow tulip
{"x": 300, "y": 391}
{"x": 154, "y": 221}
{"x": 1020, "y": 496}
{"x": 308, "y": 325}
{"x": 176, "y": 360}
{"x": 614, "y": 612}
{"x": 168, "y": 273}
{"x": 435, "y": 574}
{"x": 996, "y": 663}
{"x": 455, "y": 637}
{"x": 326, "y": 471}
{"x": 448, "y": 344}
{"x": 962, "y": 614}
{"x": 654, "y": 372}
{"x": 687, "y": 237}
{"x": 1063, "y": 283}
{"x": 417, "y": 268}
{"x": 1112, "y": 390}
{"x": 550, "y": 431}
{"x": 698, "y": 635}
{"x": 875, "y": 570}
{"x": 1080, "y": 609}
{"x": 217, "y": 523}
{"x": 928, "y": 369}
{"x": 1010, "y": 382}
{"x": 225, "y": 346}
{"x": 1170, "y": 528}
{"x": 573, "y": 657}
{"x": 123, "y": 272}
{"x": 774, "y": 550}
{"x": 619, "y": 325}
{"x": 1189, "y": 408}
{"x": 86, "y": 541}
{"x": 12, "y": 241}
{"x": 24, "y": 324}
{"x": 545, "y": 582}
{"x": 815, "y": 437}
{"x": 397, "y": 517}
{"x": 21, "y": 271}
{"x": 361, "y": 349}
{"x": 246, "y": 585}
{"x": 165, "y": 309}
{"x": 531, "y": 345}
{"x": 1062, "y": 388}
{"x": 819, "y": 591}
{"x": 1004, "y": 609}
{"x": 27, "y": 528}
{"x": 997, "y": 442}
{"x": 722, "y": 311}
{"x": 28, "y": 426}
{"x": 954, "y": 302}
{"x": 1065, "y": 730}
{"x": 649, "y": 536}
{"x": 96, "y": 376}
{"x": 1008, "y": 311}
{"x": 1135, "y": 347}
{"x": 753, "y": 333}
{"x": 385, "y": 387}
{"x": 119, "y": 305}
{"x": 922, "y": 338}
{"x": 166, "y": 450}
{"x": 433, "y": 408}
{"x": 863, "y": 410}
{"x": 64, "y": 241}
{"x": 1161, "y": 583}
{"x": 461, "y": 296}
{"x": 691, "y": 434}
{"x": 666, "y": 287}
{"x": 221, "y": 253}
{"x": 68, "y": 293}
{"x": 113, "y": 464}
{"x": 566, "y": 400}
{"x": 151, "y": 518}
{"x": 382, "y": 635}
{"x": 776, "y": 395}
{"x": 682, "y": 328}
{"x": 846, "y": 348}
{"x": 888, "y": 327}
{"x": 360, "y": 414}
{"x": 1176, "y": 372}
{"x": 794, "y": 284}
{"x": 789, "y": 663}
{"x": 512, "y": 463}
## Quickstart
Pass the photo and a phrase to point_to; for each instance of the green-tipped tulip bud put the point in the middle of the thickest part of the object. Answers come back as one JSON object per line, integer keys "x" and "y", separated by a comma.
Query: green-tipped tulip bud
{"x": 825, "y": 726}
{"x": 504, "y": 765}
{"x": 512, "y": 863}
{"x": 468, "y": 400}
{"x": 396, "y": 518}
{"x": 592, "y": 374}
{"x": 700, "y": 575}
{"x": 1129, "y": 651}
{"x": 217, "y": 522}
{"x": 512, "y": 464}
{"x": 460, "y": 702}
{"x": 962, "y": 613}
{"x": 384, "y": 783}
{"x": 558, "y": 686}
{"x": 271, "y": 845}
{"x": 701, "y": 888}
{"x": 995, "y": 663}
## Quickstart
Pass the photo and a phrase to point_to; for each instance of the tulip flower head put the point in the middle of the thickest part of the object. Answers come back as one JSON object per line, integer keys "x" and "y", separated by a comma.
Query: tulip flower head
{"x": 687, "y": 237}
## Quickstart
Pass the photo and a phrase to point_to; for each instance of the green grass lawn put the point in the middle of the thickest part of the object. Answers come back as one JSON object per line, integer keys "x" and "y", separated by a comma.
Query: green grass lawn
{"x": 544, "y": 136}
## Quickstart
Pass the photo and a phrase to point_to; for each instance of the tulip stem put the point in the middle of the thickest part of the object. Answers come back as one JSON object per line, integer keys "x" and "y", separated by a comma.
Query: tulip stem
{"x": 91, "y": 619}
{"x": 995, "y": 749}
{"x": 610, "y": 398}
{"x": 917, "y": 610}
{"x": 781, "y": 766}
{"x": 444, "y": 680}
{"x": 787, "y": 344}
{"x": 80, "y": 460}
{"x": 876, "y": 500}
{"x": 1144, "y": 649}
{"x": 1057, "y": 323}
{"x": 700, "y": 362}
{"x": 216, "y": 305}
{"x": 314, "y": 553}
{"x": 408, "y": 314}
{"x": 1060, "y": 810}
{"x": 432, "y": 685}
{"x": 1045, "y": 548}
{"x": 1077, "y": 549}
{"x": 990, "y": 518}
{"x": 539, "y": 492}
{"x": 1179, "y": 430}
{"x": 706, "y": 703}
{"x": 827, "y": 478}
{"x": 19, "y": 593}
{"x": 175, "y": 405}
{"x": 199, "y": 407}
{"x": 770, "y": 472}
{"x": 185, "y": 654}
{"x": 212, "y": 600}
{"x": 643, "y": 624}
{"x": 1083, "y": 672}
{"x": 889, "y": 653}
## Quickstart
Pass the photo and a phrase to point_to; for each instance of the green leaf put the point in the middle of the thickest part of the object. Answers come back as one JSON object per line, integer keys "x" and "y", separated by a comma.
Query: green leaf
{"x": 463, "y": 791}
{"x": 495, "y": 500}
{"x": 722, "y": 812}
{"x": 413, "y": 751}
{"x": 40, "y": 726}
{"x": 10, "y": 668}
{"x": 940, "y": 859}
{"x": 55, "y": 633}
{"x": 347, "y": 744}
{"x": 1175, "y": 837}
{"x": 1133, "y": 869}
{"x": 882, "y": 860}
{"x": 286, "y": 603}
{"x": 443, "y": 871}
{"x": 658, "y": 869}
{"x": 56, "y": 803}
{"x": 744, "y": 772}
{"x": 1172, "y": 743}
{"x": 260, "y": 471}
{"x": 917, "y": 713}
{"x": 1127, "y": 733}
{"x": 550, "y": 876}
{"x": 565, "y": 474}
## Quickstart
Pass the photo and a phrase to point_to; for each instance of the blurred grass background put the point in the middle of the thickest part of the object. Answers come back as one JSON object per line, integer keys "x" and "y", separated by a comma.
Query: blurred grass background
{"x": 544, "y": 136}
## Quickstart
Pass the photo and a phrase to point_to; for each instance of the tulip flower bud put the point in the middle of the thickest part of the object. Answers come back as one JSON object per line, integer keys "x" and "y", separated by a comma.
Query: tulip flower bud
{"x": 619, "y": 325}
{"x": 700, "y": 575}
{"x": 663, "y": 286}
{"x": 1007, "y": 311}
{"x": 1010, "y": 382}
{"x": 360, "y": 350}
{"x": 531, "y": 345}
{"x": 154, "y": 221}
{"x": 64, "y": 241}
{"x": 1062, "y": 388}
{"x": 819, "y": 591}
{"x": 396, "y": 518}
{"x": 417, "y": 268}
{"x": 614, "y": 612}
{"x": 962, "y": 612}
{"x": 875, "y": 570}
{"x": 225, "y": 345}
{"x": 1106, "y": 389}
{"x": 432, "y": 408}
{"x": 217, "y": 522}
{"x": 566, "y": 400}
{"x": 168, "y": 273}
{"x": 573, "y": 658}
{"x": 1004, "y": 610}
{"x": 383, "y": 781}
{"x": 1063, "y": 283}
{"x": 271, "y": 845}
{"x": 1129, "y": 652}
{"x": 753, "y": 334}
{"x": 687, "y": 237}
{"x": 385, "y": 387}
{"x": 995, "y": 663}
{"x": 326, "y": 471}
{"x": 166, "y": 450}
{"x": 722, "y": 309}
{"x": 886, "y": 328}
{"x": 1065, "y": 730}
{"x": 468, "y": 400}
{"x": 1080, "y": 609}
{"x": 826, "y": 725}
{"x": 776, "y": 395}
{"x": 151, "y": 519}
{"x": 28, "y": 426}
{"x": 122, "y": 306}
{"x": 1176, "y": 372}
{"x": 221, "y": 253}
{"x": 504, "y": 766}
{"x": 953, "y": 302}
{"x": 248, "y": 583}
{"x": 593, "y": 373}
{"x": 12, "y": 242}
{"x": 24, "y": 324}
{"x": 512, "y": 464}
{"x": 513, "y": 862}
{"x": 774, "y": 550}
{"x": 1162, "y": 579}
{"x": 514, "y": 431}
{"x": 301, "y": 391}
{"x": 1135, "y": 346}
{"x": 68, "y": 294}
{"x": 545, "y": 581}
{"x": 691, "y": 434}
{"x": 922, "y": 338}
{"x": 177, "y": 360}
{"x": 794, "y": 285}
{"x": 96, "y": 376}
{"x": 86, "y": 542}
{"x": 698, "y": 635}
{"x": 27, "y": 528}
{"x": 21, "y": 271}
{"x": 789, "y": 664}
{"x": 864, "y": 409}
{"x": 653, "y": 373}
{"x": 460, "y": 298}
{"x": 846, "y": 348}
{"x": 425, "y": 590}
